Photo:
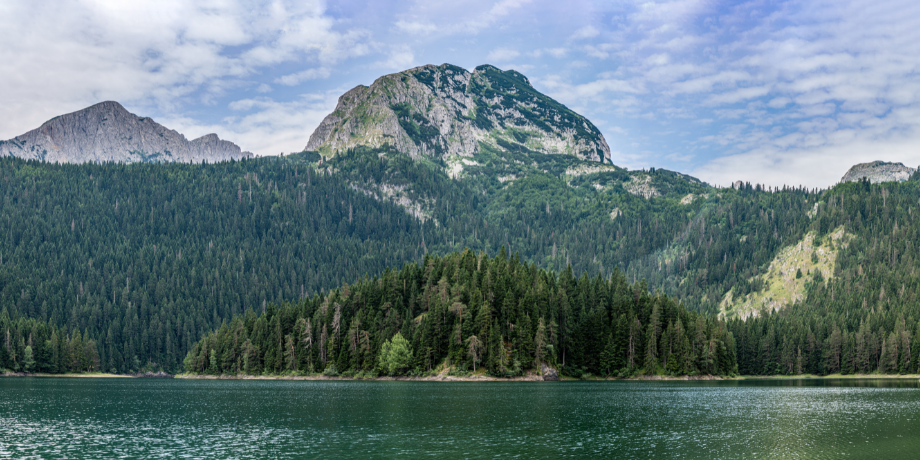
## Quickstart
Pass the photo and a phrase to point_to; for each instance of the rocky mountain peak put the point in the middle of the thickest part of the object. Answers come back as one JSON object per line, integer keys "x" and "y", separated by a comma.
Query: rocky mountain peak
{"x": 107, "y": 132}
{"x": 447, "y": 111}
{"x": 879, "y": 171}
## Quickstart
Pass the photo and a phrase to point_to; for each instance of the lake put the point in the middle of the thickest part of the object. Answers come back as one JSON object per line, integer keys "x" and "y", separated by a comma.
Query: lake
{"x": 144, "y": 418}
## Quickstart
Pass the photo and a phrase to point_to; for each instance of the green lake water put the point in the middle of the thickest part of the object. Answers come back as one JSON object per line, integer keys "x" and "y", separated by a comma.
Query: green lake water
{"x": 148, "y": 418}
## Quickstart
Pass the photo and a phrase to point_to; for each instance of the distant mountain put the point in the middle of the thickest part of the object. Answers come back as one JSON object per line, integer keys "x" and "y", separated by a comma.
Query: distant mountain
{"x": 878, "y": 171}
{"x": 107, "y": 132}
{"x": 446, "y": 111}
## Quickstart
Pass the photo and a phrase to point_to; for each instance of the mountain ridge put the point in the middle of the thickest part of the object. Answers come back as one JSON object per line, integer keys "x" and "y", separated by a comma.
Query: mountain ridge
{"x": 106, "y": 132}
{"x": 878, "y": 171}
{"x": 447, "y": 111}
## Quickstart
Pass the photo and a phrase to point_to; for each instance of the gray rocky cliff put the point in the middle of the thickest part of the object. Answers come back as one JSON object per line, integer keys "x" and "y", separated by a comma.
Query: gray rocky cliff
{"x": 106, "y": 132}
{"x": 447, "y": 111}
{"x": 879, "y": 171}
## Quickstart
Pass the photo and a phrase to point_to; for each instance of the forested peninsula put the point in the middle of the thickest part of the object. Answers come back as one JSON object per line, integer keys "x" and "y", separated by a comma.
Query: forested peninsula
{"x": 470, "y": 312}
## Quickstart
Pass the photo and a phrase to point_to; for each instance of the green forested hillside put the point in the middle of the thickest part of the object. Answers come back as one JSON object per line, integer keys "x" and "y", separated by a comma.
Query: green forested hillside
{"x": 867, "y": 318}
{"x": 144, "y": 259}
{"x": 141, "y": 261}
{"x": 500, "y": 314}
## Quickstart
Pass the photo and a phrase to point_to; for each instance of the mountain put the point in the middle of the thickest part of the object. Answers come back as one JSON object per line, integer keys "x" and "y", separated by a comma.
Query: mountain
{"x": 106, "y": 132}
{"x": 878, "y": 171}
{"x": 792, "y": 273}
{"x": 448, "y": 112}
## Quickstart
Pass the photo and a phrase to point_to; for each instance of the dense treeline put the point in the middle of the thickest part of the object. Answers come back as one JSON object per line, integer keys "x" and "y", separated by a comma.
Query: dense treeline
{"x": 144, "y": 259}
{"x": 867, "y": 318}
{"x": 727, "y": 243}
{"x": 472, "y": 311}
{"x": 30, "y": 345}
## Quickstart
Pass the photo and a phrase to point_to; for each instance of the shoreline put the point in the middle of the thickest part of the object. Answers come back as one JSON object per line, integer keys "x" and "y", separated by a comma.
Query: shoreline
{"x": 830, "y": 377}
{"x": 450, "y": 378}
{"x": 98, "y": 375}
{"x": 444, "y": 377}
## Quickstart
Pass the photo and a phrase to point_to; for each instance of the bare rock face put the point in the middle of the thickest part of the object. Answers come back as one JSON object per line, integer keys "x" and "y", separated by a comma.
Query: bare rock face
{"x": 447, "y": 111}
{"x": 107, "y": 132}
{"x": 879, "y": 171}
{"x": 549, "y": 374}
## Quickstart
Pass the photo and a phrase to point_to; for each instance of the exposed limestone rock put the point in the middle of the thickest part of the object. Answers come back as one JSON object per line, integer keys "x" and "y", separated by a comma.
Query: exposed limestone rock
{"x": 878, "y": 171}
{"x": 581, "y": 170}
{"x": 107, "y": 132}
{"x": 446, "y": 111}
{"x": 641, "y": 186}
{"x": 782, "y": 285}
{"x": 687, "y": 199}
{"x": 399, "y": 195}
{"x": 549, "y": 374}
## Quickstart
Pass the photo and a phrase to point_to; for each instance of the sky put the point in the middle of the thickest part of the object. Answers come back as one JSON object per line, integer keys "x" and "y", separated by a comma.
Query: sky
{"x": 770, "y": 92}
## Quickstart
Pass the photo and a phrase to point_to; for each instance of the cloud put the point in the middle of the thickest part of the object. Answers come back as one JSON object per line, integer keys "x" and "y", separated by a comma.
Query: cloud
{"x": 155, "y": 55}
{"x": 812, "y": 166}
{"x": 585, "y": 32}
{"x": 779, "y": 102}
{"x": 451, "y": 18}
{"x": 502, "y": 55}
{"x": 263, "y": 125}
{"x": 571, "y": 93}
{"x": 415, "y": 27}
{"x": 299, "y": 77}
{"x": 738, "y": 95}
{"x": 702, "y": 85}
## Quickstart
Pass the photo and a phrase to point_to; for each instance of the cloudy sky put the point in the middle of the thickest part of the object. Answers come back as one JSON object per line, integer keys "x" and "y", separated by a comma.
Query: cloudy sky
{"x": 776, "y": 92}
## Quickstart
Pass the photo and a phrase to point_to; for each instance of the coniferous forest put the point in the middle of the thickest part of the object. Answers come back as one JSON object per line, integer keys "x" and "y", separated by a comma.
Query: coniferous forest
{"x": 500, "y": 314}
{"x": 124, "y": 268}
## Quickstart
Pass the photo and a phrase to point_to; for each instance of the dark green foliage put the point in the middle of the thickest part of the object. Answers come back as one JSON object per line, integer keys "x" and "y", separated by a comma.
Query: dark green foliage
{"x": 501, "y": 311}
{"x": 29, "y": 345}
{"x": 145, "y": 259}
{"x": 732, "y": 237}
{"x": 867, "y": 318}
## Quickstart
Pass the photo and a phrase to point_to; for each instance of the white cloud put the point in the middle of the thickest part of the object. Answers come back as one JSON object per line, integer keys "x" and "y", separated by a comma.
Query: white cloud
{"x": 738, "y": 95}
{"x": 776, "y": 80}
{"x": 557, "y": 53}
{"x": 299, "y": 77}
{"x": 502, "y": 55}
{"x": 155, "y": 55}
{"x": 268, "y": 127}
{"x": 812, "y": 166}
{"x": 585, "y": 32}
{"x": 415, "y": 27}
{"x": 779, "y": 102}
{"x": 451, "y": 18}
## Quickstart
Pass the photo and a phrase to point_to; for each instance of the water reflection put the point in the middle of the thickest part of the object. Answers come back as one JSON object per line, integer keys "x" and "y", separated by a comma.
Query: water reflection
{"x": 804, "y": 418}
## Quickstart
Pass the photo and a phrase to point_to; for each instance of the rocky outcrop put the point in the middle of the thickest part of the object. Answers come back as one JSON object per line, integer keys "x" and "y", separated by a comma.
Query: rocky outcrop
{"x": 447, "y": 111}
{"x": 155, "y": 375}
{"x": 879, "y": 171}
{"x": 107, "y": 132}
{"x": 549, "y": 374}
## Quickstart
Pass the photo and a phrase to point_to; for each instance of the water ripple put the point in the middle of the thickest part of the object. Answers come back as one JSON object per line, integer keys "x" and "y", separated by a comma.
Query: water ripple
{"x": 109, "y": 418}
